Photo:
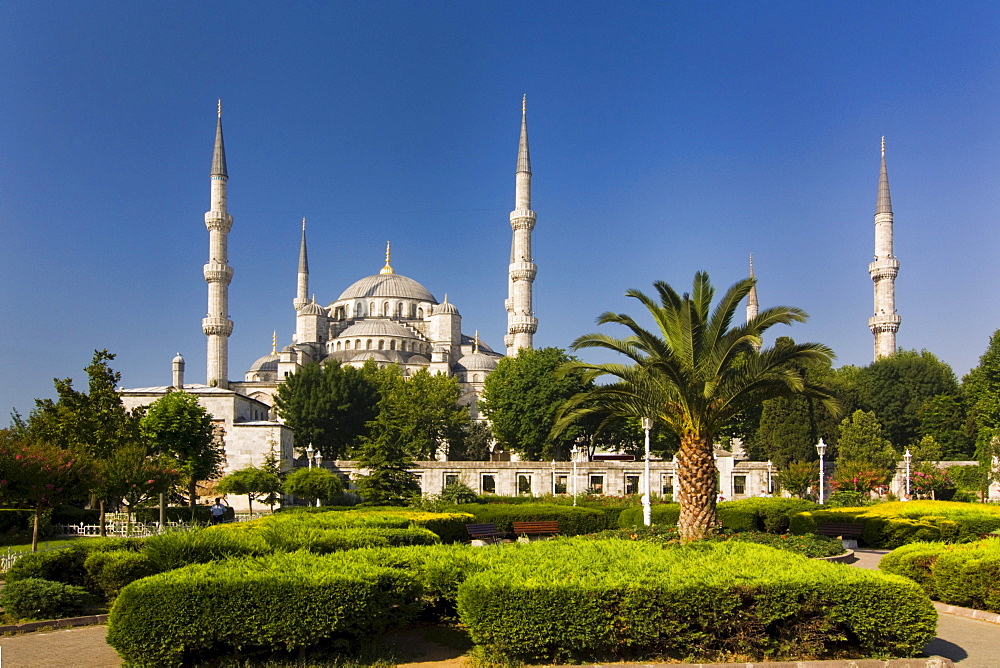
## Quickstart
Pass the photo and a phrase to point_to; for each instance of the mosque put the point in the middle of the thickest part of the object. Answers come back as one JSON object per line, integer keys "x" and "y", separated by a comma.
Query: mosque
{"x": 386, "y": 317}
{"x": 389, "y": 318}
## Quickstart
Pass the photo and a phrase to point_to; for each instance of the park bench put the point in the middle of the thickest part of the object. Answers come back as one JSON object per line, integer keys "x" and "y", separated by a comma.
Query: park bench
{"x": 542, "y": 528}
{"x": 487, "y": 533}
{"x": 846, "y": 532}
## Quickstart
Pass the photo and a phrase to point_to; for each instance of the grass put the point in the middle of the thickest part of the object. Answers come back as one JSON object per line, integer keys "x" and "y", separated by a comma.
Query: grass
{"x": 43, "y": 545}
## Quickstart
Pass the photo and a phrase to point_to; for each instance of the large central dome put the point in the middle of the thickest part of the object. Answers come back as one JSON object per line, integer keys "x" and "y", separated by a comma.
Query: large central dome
{"x": 387, "y": 285}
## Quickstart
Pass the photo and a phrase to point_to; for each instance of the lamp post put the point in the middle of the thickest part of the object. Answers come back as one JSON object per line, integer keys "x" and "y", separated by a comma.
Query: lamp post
{"x": 574, "y": 451}
{"x": 647, "y": 509}
{"x": 770, "y": 487}
{"x": 821, "y": 449}
{"x": 907, "y": 457}
{"x": 309, "y": 454}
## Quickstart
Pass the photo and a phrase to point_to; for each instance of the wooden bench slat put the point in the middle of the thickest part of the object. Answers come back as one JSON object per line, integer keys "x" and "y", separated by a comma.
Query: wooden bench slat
{"x": 842, "y": 529}
{"x": 540, "y": 527}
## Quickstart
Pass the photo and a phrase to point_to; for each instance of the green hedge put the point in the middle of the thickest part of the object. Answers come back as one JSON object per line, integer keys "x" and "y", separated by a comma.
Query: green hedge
{"x": 889, "y": 525}
{"x": 550, "y": 599}
{"x": 35, "y": 598}
{"x": 638, "y": 600}
{"x": 573, "y": 521}
{"x": 66, "y": 564}
{"x": 965, "y": 575}
{"x": 663, "y": 514}
{"x": 175, "y": 549}
{"x": 257, "y": 606}
{"x": 112, "y": 570}
{"x": 202, "y": 514}
{"x": 73, "y": 515}
{"x": 772, "y": 515}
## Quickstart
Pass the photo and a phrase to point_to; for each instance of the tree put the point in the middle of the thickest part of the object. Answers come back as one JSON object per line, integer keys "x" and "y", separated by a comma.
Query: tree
{"x": 861, "y": 440}
{"x": 521, "y": 398}
{"x": 474, "y": 446}
{"x": 252, "y": 481}
{"x": 313, "y": 484}
{"x": 134, "y": 474}
{"x": 982, "y": 388}
{"x": 180, "y": 428}
{"x": 39, "y": 475}
{"x": 693, "y": 375}
{"x": 896, "y": 388}
{"x": 328, "y": 405}
{"x": 94, "y": 424}
{"x": 421, "y": 413}
{"x": 798, "y": 477}
{"x": 859, "y": 476}
{"x": 944, "y": 418}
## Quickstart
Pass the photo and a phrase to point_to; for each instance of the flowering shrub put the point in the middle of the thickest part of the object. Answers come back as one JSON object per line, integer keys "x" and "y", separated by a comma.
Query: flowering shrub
{"x": 859, "y": 477}
{"x": 928, "y": 479}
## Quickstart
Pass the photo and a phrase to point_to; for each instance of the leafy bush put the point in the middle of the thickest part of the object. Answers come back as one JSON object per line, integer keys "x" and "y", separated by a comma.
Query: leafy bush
{"x": 112, "y": 570}
{"x": 458, "y": 492}
{"x": 277, "y": 603}
{"x": 66, "y": 564}
{"x": 662, "y": 514}
{"x": 572, "y": 521}
{"x": 16, "y": 524}
{"x": 846, "y": 498}
{"x": 965, "y": 574}
{"x": 808, "y": 545}
{"x": 889, "y": 525}
{"x": 35, "y": 598}
{"x": 638, "y": 600}
{"x": 175, "y": 549}
{"x": 326, "y": 541}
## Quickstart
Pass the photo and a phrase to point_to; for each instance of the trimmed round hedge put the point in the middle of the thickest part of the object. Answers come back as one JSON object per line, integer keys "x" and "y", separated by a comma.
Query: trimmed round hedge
{"x": 549, "y": 600}
{"x": 966, "y": 574}
{"x": 573, "y": 521}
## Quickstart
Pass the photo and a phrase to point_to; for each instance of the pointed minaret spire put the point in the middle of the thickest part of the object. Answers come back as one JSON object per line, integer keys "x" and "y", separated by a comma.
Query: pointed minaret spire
{"x": 752, "y": 306}
{"x": 387, "y": 269}
{"x": 218, "y": 274}
{"x": 883, "y": 270}
{"x": 301, "y": 294}
{"x": 219, "y": 154}
{"x": 521, "y": 321}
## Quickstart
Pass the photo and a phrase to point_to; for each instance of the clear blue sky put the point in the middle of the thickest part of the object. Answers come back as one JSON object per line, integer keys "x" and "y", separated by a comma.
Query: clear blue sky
{"x": 666, "y": 138}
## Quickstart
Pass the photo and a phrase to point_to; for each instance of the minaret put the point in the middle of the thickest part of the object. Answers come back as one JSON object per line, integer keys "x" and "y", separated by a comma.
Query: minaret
{"x": 302, "y": 294}
{"x": 752, "y": 297}
{"x": 885, "y": 323}
{"x": 521, "y": 322}
{"x": 218, "y": 274}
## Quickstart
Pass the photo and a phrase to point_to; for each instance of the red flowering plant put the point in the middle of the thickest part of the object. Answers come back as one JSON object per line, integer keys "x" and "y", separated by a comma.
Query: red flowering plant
{"x": 39, "y": 476}
{"x": 858, "y": 476}
{"x": 926, "y": 480}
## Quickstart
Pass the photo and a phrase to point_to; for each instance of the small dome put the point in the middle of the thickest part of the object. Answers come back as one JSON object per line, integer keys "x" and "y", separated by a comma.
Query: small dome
{"x": 265, "y": 363}
{"x": 418, "y": 360}
{"x": 377, "y": 327}
{"x": 446, "y": 308}
{"x": 288, "y": 349}
{"x": 387, "y": 285}
{"x": 312, "y": 308}
{"x": 178, "y": 359}
{"x": 477, "y": 362}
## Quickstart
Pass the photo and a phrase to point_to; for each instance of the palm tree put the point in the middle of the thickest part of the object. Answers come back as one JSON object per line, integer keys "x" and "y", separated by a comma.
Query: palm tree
{"x": 694, "y": 374}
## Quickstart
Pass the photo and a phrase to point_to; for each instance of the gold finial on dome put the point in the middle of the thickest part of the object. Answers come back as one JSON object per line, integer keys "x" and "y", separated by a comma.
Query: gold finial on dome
{"x": 220, "y": 107}
{"x": 475, "y": 349}
{"x": 883, "y": 146}
{"x": 387, "y": 269}
{"x": 274, "y": 343}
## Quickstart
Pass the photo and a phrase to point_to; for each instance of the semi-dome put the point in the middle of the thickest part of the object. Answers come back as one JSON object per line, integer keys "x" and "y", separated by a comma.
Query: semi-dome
{"x": 377, "y": 355}
{"x": 387, "y": 285}
{"x": 377, "y": 327}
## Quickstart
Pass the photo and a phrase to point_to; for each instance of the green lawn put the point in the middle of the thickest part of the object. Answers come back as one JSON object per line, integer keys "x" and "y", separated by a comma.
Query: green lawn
{"x": 42, "y": 544}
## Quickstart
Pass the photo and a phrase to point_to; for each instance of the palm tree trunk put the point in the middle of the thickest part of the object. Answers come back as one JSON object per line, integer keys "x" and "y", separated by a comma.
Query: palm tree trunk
{"x": 697, "y": 487}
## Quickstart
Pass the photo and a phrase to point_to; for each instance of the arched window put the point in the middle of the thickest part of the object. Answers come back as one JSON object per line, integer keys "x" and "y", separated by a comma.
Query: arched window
{"x": 347, "y": 344}
{"x": 338, "y": 345}
{"x": 368, "y": 345}
{"x": 357, "y": 344}
{"x": 392, "y": 344}
{"x": 402, "y": 346}
{"x": 477, "y": 378}
{"x": 359, "y": 310}
{"x": 420, "y": 313}
{"x": 385, "y": 309}
{"x": 381, "y": 344}
{"x": 399, "y": 310}
{"x": 413, "y": 310}
{"x": 371, "y": 309}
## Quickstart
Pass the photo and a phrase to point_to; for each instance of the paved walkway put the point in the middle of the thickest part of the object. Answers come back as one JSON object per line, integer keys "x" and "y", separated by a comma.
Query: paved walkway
{"x": 969, "y": 642}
